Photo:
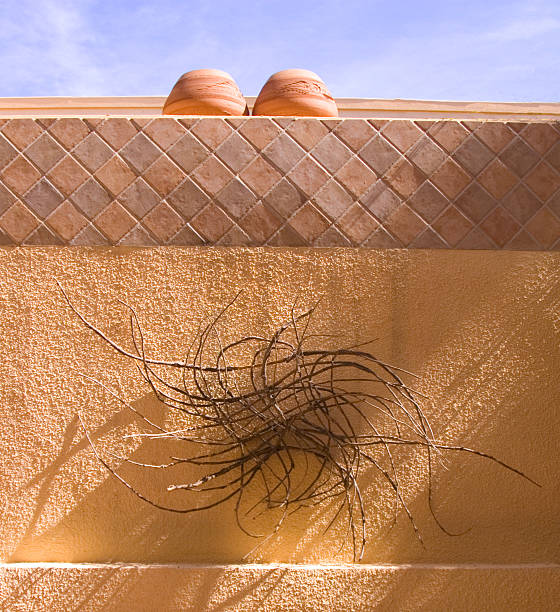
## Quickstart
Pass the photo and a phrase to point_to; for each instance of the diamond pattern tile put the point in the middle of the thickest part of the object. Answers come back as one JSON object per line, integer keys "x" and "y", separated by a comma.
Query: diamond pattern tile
{"x": 163, "y": 175}
{"x": 280, "y": 182}
{"x": 18, "y": 222}
{"x": 116, "y": 132}
{"x": 140, "y": 152}
{"x": 307, "y": 132}
{"x": 69, "y": 132}
{"x": 44, "y": 152}
{"x": 7, "y": 152}
{"x": 331, "y": 153}
{"x": 188, "y": 152}
{"x": 42, "y": 198}
{"x": 139, "y": 198}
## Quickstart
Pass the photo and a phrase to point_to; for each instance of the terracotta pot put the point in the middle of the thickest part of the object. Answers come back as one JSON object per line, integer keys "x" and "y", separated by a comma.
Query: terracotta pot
{"x": 205, "y": 92}
{"x": 299, "y": 93}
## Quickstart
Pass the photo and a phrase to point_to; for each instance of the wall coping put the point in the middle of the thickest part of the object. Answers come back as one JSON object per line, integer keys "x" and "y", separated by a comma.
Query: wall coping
{"x": 63, "y": 106}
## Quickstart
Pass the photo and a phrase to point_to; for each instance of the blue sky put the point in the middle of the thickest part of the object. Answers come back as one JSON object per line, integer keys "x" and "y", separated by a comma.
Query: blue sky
{"x": 491, "y": 50}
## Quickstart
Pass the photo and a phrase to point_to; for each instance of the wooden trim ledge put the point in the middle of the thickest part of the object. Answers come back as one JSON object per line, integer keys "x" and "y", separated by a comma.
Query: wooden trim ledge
{"x": 348, "y": 107}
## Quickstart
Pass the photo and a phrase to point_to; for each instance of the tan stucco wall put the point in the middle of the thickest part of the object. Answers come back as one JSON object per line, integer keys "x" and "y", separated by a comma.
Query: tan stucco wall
{"x": 481, "y": 329}
{"x": 279, "y": 589}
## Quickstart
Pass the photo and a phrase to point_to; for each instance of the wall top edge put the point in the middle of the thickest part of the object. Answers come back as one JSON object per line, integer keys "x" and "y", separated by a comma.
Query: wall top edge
{"x": 57, "y": 106}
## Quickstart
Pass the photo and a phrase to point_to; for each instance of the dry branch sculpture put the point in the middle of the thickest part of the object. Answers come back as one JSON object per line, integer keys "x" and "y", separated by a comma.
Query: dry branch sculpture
{"x": 278, "y": 411}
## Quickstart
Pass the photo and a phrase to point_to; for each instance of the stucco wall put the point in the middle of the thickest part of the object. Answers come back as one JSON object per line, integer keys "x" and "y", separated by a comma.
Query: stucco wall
{"x": 480, "y": 328}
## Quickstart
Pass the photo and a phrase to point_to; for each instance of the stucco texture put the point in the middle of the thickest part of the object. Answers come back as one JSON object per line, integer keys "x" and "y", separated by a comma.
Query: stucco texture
{"x": 481, "y": 329}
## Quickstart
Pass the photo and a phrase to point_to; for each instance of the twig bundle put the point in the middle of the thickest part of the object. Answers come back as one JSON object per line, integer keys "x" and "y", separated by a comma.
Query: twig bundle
{"x": 303, "y": 422}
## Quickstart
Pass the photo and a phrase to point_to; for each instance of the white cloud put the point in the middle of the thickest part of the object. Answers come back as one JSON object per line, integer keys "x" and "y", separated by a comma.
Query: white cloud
{"x": 46, "y": 45}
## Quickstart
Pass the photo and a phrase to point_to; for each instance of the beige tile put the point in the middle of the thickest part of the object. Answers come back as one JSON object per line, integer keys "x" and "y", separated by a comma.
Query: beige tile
{"x": 308, "y": 176}
{"x": 260, "y": 176}
{"x": 7, "y": 152}
{"x": 426, "y": 155}
{"x": 117, "y": 131}
{"x": 212, "y": 176}
{"x": 68, "y": 175}
{"x": 163, "y": 175}
{"x": 475, "y": 202}
{"x": 473, "y": 156}
{"x": 89, "y": 236}
{"x": 43, "y": 198}
{"x": 379, "y": 154}
{"x": 381, "y": 201}
{"x": 236, "y": 152}
{"x": 18, "y": 222}
{"x": 188, "y": 199}
{"x": 69, "y": 132}
{"x": 309, "y": 223}
{"x": 381, "y": 239}
{"x": 500, "y": 226}
{"x": 186, "y": 237}
{"x": 521, "y": 203}
{"x": 404, "y": 178}
{"x": 163, "y": 222}
{"x": 452, "y": 226}
{"x": 140, "y": 152}
{"x": 7, "y": 198}
{"x": 138, "y": 236}
{"x": 523, "y": 241}
{"x": 211, "y": 223}
{"x": 333, "y": 237}
{"x": 476, "y": 239}
{"x": 307, "y": 132}
{"x": 357, "y": 223}
{"x": 235, "y": 236}
{"x": 450, "y": 179}
{"x": 519, "y": 157}
{"x": 331, "y": 153}
{"x": 212, "y": 131}
{"x": 92, "y": 152}
{"x": 428, "y": 239}
{"x": 284, "y": 198}
{"x": 66, "y": 221}
{"x": 20, "y": 175}
{"x": 115, "y": 175}
{"x": 495, "y": 134}
{"x": 114, "y": 222}
{"x": 402, "y": 133}
{"x": 44, "y": 152}
{"x": 543, "y": 180}
{"x": 541, "y": 136}
{"x": 404, "y": 224}
{"x": 286, "y": 236}
{"x": 552, "y": 157}
{"x": 284, "y": 153}
{"x": 497, "y": 179}
{"x": 259, "y": 131}
{"x": 333, "y": 199}
{"x": 139, "y": 198}
{"x": 21, "y": 132}
{"x": 164, "y": 132}
{"x": 356, "y": 176}
{"x": 187, "y": 152}
{"x": 448, "y": 134}
{"x": 43, "y": 236}
{"x": 544, "y": 227}
{"x": 91, "y": 198}
{"x": 236, "y": 199}
{"x": 260, "y": 223}
{"x": 428, "y": 202}
{"x": 355, "y": 132}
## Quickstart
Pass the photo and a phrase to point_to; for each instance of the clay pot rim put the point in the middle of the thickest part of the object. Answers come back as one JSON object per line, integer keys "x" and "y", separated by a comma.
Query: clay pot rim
{"x": 206, "y": 71}
{"x": 303, "y": 72}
